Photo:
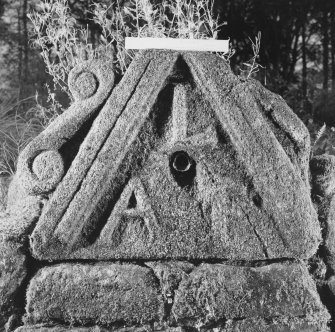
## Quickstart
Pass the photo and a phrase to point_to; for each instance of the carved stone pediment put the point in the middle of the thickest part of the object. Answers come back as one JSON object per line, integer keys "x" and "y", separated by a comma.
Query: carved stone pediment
{"x": 183, "y": 159}
{"x": 178, "y": 200}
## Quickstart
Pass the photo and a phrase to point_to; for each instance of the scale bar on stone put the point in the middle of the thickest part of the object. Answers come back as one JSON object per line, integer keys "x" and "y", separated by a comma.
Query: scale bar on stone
{"x": 180, "y": 44}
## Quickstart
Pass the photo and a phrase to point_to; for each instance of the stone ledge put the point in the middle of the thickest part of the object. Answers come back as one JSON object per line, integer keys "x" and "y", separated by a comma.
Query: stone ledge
{"x": 245, "y": 325}
{"x": 278, "y": 297}
{"x": 13, "y": 272}
{"x": 216, "y": 292}
{"x": 58, "y": 328}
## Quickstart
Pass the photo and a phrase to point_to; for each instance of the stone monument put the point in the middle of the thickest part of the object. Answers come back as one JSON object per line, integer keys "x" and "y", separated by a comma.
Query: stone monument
{"x": 178, "y": 200}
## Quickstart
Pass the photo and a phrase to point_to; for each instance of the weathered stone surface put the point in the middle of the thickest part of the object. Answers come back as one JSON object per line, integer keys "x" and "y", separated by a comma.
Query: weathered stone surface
{"x": 326, "y": 289}
{"x": 48, "y": 168}
{"x": 4, "y": 184}
{"x": 12, "y": 275}
{"x": 90, "y": 83}
{"x": 21, "y": 215}
{"x": 305, "y": 324}
{"x": 15, "y": 320}
{"x": 184, "y": 160}
{"x": 327, "y": 218}
{"x": 16, "y": 223}
{"x": 43, "y": 328}
{"x": 278, "y": 115}
{"x": 170, "y": 275}
{"x": 323, "y": 175}
{"x": 323, "y": 190}
{"x": 103, "y": 294}
{"x": 218, "y": 292}
{"x": 143, "y": 328}
{"x": 331, "y": 286}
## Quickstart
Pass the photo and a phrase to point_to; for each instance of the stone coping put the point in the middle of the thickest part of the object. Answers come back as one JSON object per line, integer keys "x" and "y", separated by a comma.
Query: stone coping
{"x": 172, "y": 295}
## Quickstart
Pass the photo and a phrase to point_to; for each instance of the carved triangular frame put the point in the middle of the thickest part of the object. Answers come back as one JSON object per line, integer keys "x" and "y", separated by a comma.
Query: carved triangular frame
{"x": 224, "y": 96}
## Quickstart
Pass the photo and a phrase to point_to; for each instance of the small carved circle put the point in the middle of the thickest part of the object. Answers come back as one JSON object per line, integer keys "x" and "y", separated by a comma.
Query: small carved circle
{"x": 86, "y": 84}
{"x": 48, "y": 167}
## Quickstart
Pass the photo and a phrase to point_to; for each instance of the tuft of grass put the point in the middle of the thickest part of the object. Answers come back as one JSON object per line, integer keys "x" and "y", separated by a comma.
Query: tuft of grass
{"x": 44, "y": 115}
{"x": 62, "y": 41}
{"x": 322, "y": 138}
{"x": 16, "y": 132}
{"x": 252, "y": 66}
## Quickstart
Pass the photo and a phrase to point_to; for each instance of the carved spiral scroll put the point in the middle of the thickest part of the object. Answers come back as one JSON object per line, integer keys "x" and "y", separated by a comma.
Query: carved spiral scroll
{"x": 86, "y": 79}
{"x": 45, "y": 170}
{"x": 83, "y": 84}
{"x": 48, "y": 167}
{"x": 40, "y": 165}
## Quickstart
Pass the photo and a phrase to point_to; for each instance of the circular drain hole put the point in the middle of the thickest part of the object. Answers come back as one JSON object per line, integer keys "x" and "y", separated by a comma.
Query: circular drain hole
{"x": 181, "y": 161}
{"x": 182, "y": 168}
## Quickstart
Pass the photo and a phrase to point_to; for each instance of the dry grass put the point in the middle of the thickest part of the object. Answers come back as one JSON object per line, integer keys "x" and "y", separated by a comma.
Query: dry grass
{"x": 252, "y": 66}
{"x": 64, "y": 42}
{"x": 16, "y": 132}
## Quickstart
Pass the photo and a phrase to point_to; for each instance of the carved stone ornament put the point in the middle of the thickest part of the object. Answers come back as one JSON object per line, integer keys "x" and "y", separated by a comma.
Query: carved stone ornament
{"x": 179, "y": 200}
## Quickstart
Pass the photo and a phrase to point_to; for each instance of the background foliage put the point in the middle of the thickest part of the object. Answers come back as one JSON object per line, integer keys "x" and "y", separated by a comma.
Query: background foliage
{"x": 288, "y": 45}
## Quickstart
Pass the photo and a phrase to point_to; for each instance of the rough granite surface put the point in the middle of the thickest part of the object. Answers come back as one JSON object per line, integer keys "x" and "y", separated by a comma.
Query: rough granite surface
{"x": 19, "y": 218}
{"x": 46, "y": 149}
{"x": 275, "y": 297}
{"x": 246, "y": 325}
{"x": 144, "y": 328}
{"x": 307, "y": 324}
{"x": 178, "y": 200}
{"x": 184, "y": 161}
{"x": 101, "y": 293}
{"x": 215, "y": 292}
{"x": 13, "y": 271}
{"x": 113, "y": 295}
{"x": 323, "y": 190}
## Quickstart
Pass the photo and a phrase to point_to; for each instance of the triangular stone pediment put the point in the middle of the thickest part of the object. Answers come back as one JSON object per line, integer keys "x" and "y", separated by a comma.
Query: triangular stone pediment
{"x": 184, "y": 160}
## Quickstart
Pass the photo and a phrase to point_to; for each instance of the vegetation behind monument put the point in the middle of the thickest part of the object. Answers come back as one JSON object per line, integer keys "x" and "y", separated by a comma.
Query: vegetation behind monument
{"x": 296, "y": 53}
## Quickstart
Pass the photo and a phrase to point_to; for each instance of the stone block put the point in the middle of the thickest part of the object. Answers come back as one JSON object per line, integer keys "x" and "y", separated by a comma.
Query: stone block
{"x": 21, "y": 215}
{"x": 323, "y": 189}
{"x": 219, "y": 292}
{"x": 13, "y": 272}
{"x": 170, "y": 274}
{"x": 102, "y": 293}
{"x": 305, "y": 324}
{"x": 46, "y": 328}
{"x": 323, "y": 173}
{"x": 143, "y": 328}
{"x": 327, "y": 219}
